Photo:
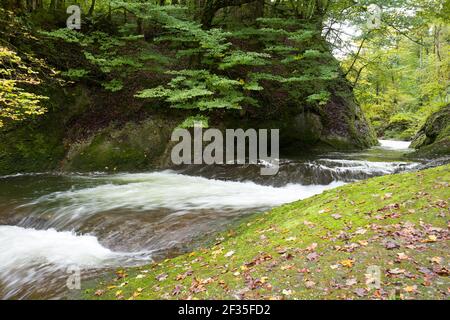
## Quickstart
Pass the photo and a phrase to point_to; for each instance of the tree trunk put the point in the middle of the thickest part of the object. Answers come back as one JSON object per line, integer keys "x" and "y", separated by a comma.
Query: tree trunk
{"x": 91, "y": 9}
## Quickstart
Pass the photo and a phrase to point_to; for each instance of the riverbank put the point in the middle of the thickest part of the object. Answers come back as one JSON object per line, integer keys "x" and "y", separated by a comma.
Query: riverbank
{"x": 318, "y": 248}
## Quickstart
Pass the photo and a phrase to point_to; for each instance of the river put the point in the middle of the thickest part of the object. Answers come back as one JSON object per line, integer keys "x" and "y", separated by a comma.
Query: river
{"x": 51, "y": 223}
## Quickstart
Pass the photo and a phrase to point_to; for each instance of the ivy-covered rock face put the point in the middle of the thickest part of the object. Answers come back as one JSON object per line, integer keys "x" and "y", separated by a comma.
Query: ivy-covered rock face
{"x": 433, "y": 139}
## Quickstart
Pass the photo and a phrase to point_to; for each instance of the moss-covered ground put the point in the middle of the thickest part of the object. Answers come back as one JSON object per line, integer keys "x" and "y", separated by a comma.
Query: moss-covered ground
{"x": 335, "y": 245}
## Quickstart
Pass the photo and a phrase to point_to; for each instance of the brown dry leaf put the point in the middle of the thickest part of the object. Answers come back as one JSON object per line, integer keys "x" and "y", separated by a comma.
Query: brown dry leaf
{"x": 309, "y": 224}
{"x": 391, "y": 245}
{"x": 351, "y": 282}
{"x": 162, "y": 277}
{"x": 312, "y": 256}
{"x": 177, "y": 290}
{"x": 99, "y": 292}
{"x": 287, "y": 267}
{"x": 402, "y": 256}
{"x": 312, "y": 246}
{"x": 286, "y": 292}
{"x": 437, "y": 260}
{"x": 396, "y": 271}
{"x": 387, "y": 196}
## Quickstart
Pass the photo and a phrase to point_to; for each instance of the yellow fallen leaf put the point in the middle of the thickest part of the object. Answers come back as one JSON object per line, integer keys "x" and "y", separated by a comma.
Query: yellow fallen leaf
{"x": 410, "y": 288}
{"x": 363, "y": 242}
{"x": 437, "y": 260}
{"x": 347, "y": 263}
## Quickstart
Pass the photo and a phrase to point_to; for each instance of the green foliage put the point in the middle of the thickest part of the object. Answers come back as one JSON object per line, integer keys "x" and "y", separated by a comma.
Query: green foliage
{"x": 199, "y": 89}
{"x": 403, "y": 68}
{"x": 113, "y": 85}
{"x": 321, "y": 98}
{"x": 75, "y": 74}
{"x": 200, "y": 120}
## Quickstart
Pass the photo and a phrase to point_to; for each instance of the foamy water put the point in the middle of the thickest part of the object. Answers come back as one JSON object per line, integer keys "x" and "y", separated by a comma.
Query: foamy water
{"x": 27, "y": 245}
{"x": 123, "y": 219}
{"x": 149, "y": 191}
{"x": 394, "y": 145}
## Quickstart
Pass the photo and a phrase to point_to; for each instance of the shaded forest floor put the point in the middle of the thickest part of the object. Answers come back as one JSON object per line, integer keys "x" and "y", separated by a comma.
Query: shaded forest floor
{"x": 329, "y": 246}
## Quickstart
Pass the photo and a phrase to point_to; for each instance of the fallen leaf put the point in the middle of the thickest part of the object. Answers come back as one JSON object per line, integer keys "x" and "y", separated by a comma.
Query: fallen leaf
{"x": 410, "y": 288}
{"x": 396, "y": 271}
{"x": 286, "y": 292}
{"x": 360, "y": 292}
{"x": 177, "y": 290}
{"x": 431, "y": 238}
{"x": 387, "y": 196}
{"x": 99, "y": 292}
{"x": 347, "y": 263}
{"x": 391, "y": 245}
{"x": 363, "y": 242}
{"x": 229, "y": 254}
{"x": 437, "y": 260}
{"x": 402, "y": 256}
{"x": 312, "y": 246}
{"x": 162, "y": 277}
{"x": 351, "y": 282}
{"x": 312, "y": 256}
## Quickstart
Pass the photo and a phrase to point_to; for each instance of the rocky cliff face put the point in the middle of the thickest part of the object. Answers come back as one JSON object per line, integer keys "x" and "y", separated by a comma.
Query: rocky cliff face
{"x": 84, "y": 133}
{"x": 433, "y": 139}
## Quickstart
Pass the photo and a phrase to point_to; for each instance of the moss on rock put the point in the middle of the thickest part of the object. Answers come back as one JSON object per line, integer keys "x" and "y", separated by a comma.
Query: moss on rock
{"x": 37, "y": 144}
{"x": 135, "y": 146}
{"x": 433, "y": 139}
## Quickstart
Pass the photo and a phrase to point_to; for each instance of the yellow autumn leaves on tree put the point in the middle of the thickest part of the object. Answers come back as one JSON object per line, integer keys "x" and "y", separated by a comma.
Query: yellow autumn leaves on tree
{"x": 16, "y": 103}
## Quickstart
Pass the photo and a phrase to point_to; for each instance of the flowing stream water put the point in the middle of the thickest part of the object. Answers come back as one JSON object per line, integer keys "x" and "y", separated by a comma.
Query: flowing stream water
{"x": 50, "y": 222}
